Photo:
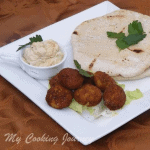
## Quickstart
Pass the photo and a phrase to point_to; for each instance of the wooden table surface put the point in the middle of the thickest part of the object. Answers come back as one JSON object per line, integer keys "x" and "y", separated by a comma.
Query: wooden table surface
{"x": 19, "y": 116}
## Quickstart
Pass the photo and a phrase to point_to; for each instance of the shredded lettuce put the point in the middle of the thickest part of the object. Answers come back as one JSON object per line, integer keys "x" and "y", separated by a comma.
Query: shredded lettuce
{"x": 101, "y": 109}
{"x": 49, "y": 86}
{"x": 76, "y": 106}
{"x": 89, "y": 109}
{"x": 121, "y": 85}
{"x": 133, "y": 95}
{"x": 80, "y": 108}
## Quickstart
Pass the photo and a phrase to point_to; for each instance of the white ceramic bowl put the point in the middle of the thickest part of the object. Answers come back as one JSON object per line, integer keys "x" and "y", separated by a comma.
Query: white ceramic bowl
{"x": 33, "y": 71}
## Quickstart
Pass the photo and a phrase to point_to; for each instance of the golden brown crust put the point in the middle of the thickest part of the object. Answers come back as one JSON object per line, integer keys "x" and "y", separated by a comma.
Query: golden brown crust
{"x": 70, "y": 78}
{"x": 89, "y": 80}
{"x": 88, "y": 95}
{"x": 114, "y": 97}
{"x": 54, "y": 80}
{"x": 103, "y": 80}
{"x": 59, "y": 97}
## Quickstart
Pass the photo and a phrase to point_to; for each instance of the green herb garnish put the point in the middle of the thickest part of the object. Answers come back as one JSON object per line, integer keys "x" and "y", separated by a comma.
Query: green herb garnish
{"x": 85, "y": 73}
{"x": 37, "y": 38}
{"x": 115, "y": 35}
{"x": 136, "y": 34}
{"x": 132, "y": 39}
{"x": 121, "y": 43}
{"x": 77, "y": 64}
{"x": 135, "y": 28}
{"x": 81, "y": 71}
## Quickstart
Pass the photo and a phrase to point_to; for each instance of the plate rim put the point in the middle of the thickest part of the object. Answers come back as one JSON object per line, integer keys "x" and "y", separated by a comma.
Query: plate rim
{"x": 61, "y": 124}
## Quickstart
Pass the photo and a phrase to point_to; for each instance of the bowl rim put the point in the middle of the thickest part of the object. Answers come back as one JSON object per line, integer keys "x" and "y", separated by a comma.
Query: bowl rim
{"x": 48, "y": 67}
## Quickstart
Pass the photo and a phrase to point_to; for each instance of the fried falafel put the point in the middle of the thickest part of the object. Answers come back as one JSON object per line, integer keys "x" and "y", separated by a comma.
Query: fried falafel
{"x": 70, "y": 78}
{"x": 88, "y": 95}
{"x": 54, "y": 80}
{"x": 103, "y": 80}
{"x": 89, "y": 80}
{"x": 59, "y": 97}
{"x": 114, "y": 97}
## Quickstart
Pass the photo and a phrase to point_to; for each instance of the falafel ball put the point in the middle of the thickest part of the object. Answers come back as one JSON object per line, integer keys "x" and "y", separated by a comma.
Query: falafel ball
{"x": 54, "y": 80}
{"x": 70, "y": 78}
{"x": 114, "y": 97}
{"x": 103, "y": 80}
{"x": 88, "y": 95}
{"x": 89, "y": 80}
{"x": 59, "y": 97}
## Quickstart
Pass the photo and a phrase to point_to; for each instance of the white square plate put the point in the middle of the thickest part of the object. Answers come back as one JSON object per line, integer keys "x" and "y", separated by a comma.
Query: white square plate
{"x": 84, "y": 131}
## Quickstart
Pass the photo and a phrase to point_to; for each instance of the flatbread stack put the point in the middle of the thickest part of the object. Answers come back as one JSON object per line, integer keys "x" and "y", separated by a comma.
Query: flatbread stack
{"x": 96, "y": 52}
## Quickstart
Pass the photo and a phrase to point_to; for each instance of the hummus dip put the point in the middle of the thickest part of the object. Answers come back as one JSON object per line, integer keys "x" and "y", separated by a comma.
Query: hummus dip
{"x": 43, "y": 54}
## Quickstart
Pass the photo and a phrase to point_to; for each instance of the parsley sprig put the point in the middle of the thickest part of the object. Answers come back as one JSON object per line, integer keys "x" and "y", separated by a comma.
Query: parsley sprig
{"x": 115, "y": 35}
{"x": 81, "y": 71}
{"x": 136, "y": 34}
{"x": 37, "y": 38}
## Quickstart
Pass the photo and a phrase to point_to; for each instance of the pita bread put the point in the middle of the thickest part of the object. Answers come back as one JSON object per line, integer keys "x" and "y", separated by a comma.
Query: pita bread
{"x": 95, "y": 51}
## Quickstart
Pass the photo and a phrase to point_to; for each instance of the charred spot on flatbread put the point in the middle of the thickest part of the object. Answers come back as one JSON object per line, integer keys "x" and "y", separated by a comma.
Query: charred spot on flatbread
{"x": 122, "y": 30}
{"x": 93, "y": 61}
{"x": 75, "y": 32}
{"x": 136, "y": 50}
{"x": 93, "y": 40}
{"x": 117, "y": 16}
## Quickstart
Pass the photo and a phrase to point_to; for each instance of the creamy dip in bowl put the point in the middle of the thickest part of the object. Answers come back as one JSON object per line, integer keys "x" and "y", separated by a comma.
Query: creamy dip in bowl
{"x": 43, "y": 54}
{"x": 37, "y": 64}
